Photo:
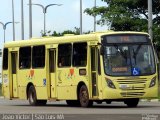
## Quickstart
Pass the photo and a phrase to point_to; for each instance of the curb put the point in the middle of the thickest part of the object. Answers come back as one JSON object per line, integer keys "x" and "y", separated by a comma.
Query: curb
{"x": 150, "y": 100}
{"x": 1, "y": 97}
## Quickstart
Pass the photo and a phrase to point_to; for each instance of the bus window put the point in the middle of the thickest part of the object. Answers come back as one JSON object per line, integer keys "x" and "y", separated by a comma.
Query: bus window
{"x": 25, "y": 57}
{"x": 79, "y": 54}
{"x": 38, "y": 55}
{"x": 64, "y": 55}
{"x": 5, "y": 59}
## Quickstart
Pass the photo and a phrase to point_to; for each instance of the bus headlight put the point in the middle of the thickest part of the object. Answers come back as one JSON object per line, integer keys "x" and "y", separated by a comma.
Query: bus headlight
{"x": 153, "y": 82}
{"x": 110, "y": 84}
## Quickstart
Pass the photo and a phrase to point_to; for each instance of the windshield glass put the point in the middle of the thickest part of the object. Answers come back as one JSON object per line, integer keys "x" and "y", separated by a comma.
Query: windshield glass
{"x": 133, "y": 60}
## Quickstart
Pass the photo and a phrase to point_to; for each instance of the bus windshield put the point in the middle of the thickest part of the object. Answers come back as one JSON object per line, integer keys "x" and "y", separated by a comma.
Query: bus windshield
{"x": 129, "y": 60}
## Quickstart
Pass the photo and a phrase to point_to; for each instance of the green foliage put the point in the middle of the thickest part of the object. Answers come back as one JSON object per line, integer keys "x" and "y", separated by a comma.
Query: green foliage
{"x": 159, "y": 90}
{"x": 0, "y": 89}
{"x": 128, "y": 15}
{"x": 0, "y": 52}
{"x": 76, "y": 31}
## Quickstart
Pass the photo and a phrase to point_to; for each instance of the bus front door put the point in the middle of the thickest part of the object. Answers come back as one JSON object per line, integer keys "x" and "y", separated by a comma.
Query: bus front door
{"x": 52, "y": 72}
{"x": 94, "y": 70}
{"x": 14, "y": 74}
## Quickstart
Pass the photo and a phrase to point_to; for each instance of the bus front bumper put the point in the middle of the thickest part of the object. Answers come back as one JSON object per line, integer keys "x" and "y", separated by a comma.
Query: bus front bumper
{"x": 110, "y": 93}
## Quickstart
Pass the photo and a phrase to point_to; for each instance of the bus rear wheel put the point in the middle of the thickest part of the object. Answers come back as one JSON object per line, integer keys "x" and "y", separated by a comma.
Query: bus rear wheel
{"x": 132, "y": 102}
{"x": 84, "y": 97}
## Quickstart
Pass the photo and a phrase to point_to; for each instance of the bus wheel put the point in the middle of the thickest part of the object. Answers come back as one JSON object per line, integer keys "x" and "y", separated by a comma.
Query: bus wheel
{"x": 72, "y": 103}
{"x": 84, "y": 97}
{"x": 132, "y": 102}
{"x": 32, "y": 97}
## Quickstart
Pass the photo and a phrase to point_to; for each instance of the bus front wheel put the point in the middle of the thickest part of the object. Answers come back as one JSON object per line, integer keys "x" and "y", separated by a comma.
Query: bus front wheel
{"x": 84, "y": 97}
{"x": 132, "y": 102}
{"x": 32, "y": 97}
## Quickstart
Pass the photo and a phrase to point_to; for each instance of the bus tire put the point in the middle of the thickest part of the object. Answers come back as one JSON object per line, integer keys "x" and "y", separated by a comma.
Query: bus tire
{"x": 132, "y": 102}
{"x": 32, "y": 97}
{"x": 84, "y": 97}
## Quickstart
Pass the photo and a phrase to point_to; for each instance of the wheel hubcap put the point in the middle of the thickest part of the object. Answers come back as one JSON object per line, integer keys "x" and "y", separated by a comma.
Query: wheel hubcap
{"x": 84, "y": 97}
{"x": 31, "y": 97}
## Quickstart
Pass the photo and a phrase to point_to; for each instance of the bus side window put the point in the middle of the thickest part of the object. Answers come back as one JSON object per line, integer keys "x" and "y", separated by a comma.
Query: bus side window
{"x": 5, "y": 59}
{"x": 79, "y": 54}
{"x": 25, "y": 58}
{"x": 38, "y": 57}
{"x": 64, "y": 55}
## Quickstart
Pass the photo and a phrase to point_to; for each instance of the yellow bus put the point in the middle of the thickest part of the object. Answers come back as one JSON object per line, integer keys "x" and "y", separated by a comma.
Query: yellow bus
{"x": 81, "y": 69}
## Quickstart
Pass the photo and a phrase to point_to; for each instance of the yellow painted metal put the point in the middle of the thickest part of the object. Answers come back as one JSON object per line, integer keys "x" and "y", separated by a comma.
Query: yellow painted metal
{"x": 53, "y": 85}
{"x": 15, "y": 87}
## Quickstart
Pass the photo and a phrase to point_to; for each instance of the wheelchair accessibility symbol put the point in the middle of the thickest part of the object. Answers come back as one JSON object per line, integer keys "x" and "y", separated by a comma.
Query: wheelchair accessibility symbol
{"x": 135, "y": 71}
{"x": 44, "y": 82}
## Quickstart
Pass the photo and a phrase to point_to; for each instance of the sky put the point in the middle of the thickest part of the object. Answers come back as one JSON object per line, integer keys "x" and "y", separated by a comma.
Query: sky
{"x": 58, "y": 18}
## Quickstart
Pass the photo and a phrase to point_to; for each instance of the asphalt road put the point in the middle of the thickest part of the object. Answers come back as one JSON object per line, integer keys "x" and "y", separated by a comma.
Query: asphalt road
{"x": 59, "y": 110}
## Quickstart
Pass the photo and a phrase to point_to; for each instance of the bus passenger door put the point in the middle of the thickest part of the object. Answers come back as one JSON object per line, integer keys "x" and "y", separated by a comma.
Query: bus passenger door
{"x": 52, "y": 72}
{"x": 94, "y": 70}
{"x": 14, "y": 74}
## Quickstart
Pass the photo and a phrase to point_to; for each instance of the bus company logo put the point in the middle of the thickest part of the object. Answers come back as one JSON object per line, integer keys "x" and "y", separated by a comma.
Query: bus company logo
{"x": 149, "y": 117}
{"x": 5, "y": 76}
{"x": 30, "y": 75}
{"x": 5, "y": 79}
{"x": 71, "y": 73}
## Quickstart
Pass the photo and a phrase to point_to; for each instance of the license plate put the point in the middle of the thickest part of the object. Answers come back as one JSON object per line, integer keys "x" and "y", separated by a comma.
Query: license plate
{"x": 123, "y": 86}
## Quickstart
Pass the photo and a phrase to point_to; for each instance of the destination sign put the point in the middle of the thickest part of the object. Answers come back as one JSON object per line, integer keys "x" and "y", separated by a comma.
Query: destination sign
{"x": 126, "y": 38}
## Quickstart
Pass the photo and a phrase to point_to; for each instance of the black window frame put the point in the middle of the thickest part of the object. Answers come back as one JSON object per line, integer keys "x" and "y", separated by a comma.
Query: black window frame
{"x": 79, "y": 55}
{"x": 63, "y": 56}
{"x": 5, "y": 59}
{"x": 34, "y": 57}
{"x": 22, "y": 65}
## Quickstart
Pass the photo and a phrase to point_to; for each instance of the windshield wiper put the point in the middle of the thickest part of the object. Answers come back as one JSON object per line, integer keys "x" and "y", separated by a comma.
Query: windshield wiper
{"x": 136, "y": 52}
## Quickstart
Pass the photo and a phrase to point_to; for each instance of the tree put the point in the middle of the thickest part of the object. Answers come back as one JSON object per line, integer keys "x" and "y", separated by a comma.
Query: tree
{"x": 128, "y": 15}
{"x": 0, "y": 52}
{"x": 76, "y": 31}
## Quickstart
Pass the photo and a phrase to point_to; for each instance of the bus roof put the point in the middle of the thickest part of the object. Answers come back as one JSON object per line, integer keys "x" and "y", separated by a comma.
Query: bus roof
{"x": 66, "y": 39}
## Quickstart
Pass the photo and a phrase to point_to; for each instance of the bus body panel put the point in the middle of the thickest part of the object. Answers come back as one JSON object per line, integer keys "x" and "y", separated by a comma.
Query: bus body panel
{"x": 6, "y": 82}
{"x": 22, "y": 92}
{"x": 23, "y": 80}
{"x": 40, "y": 82}
{"x": 68, "y": 80}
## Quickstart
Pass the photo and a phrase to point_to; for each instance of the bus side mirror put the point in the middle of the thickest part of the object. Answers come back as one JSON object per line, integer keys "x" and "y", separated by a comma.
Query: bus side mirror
{"x": 101, "y": 50}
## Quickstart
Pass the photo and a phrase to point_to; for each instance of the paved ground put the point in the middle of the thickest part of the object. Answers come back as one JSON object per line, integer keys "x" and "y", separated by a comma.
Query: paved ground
{"x": 114, "y": 111}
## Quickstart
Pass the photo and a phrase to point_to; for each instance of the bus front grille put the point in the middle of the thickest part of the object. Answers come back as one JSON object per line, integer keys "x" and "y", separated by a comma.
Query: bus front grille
{"x": 132, "y": 81}
{"x": 132, "y": 94}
